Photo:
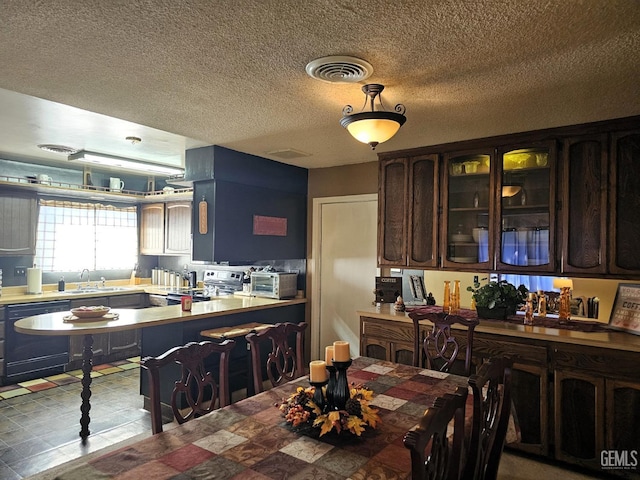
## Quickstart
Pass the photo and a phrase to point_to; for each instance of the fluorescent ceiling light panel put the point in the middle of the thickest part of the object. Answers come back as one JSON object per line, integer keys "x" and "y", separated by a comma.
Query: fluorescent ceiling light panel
{"x": 124, "y": 163}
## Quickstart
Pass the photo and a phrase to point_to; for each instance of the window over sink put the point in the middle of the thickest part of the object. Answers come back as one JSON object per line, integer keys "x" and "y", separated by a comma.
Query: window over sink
{"x": 72, "y": 236}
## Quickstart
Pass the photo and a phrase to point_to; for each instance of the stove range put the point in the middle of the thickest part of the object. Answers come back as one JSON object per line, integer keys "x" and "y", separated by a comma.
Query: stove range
{"x": 223, "y": 281}
{"x": 173, "y": 298}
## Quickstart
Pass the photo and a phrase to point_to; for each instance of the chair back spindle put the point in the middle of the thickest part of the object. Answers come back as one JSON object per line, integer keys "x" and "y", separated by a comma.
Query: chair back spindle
{"x": 491, "y": 389}
{"x": 440, "y": 346}
{"x": 197, "y": 387}
{"x": 435, "y": 454}
{"x": 283, "y": 362}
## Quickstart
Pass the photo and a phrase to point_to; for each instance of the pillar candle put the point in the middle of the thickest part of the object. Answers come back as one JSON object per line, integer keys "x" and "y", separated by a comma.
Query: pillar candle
{"x": 318, "y": 371}
{"x": 328, "y": 355}
{"x": 341, "y": 351}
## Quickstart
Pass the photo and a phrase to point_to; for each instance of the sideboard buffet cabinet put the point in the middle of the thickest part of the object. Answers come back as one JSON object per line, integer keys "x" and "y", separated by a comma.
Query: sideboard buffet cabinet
{"x": 575, "y": 393}
{"x": 556, "y": 201}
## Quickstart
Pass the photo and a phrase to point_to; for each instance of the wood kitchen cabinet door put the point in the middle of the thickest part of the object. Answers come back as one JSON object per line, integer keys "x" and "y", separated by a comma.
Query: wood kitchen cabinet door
{"x": 422, "y": 229}
{"x": 178, "y": 228}
{"x": 393, "y": 182}
{"x": 579, "y": 417}
{"x": 624, "y": 202}
{"x": 19, "y": 210}
{"x": 584, "y": 204}
{"x": 152, "y": 229}
{"x": 408, "y": 211}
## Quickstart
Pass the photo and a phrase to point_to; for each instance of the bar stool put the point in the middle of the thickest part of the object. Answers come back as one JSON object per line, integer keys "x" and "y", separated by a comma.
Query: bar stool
{"x": 230, "y": 333}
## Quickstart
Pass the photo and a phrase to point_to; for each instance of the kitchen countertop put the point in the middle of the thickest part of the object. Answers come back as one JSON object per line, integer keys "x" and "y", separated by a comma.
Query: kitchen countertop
{"x": 611, "y": 340}
{"x": 130, "y": 319}
{"x": 13, "y": 295}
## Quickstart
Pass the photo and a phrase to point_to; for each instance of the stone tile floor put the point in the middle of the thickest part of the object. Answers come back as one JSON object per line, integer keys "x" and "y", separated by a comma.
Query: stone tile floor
{"x": 40, "y": 419}
{"x": 40, "y": 423}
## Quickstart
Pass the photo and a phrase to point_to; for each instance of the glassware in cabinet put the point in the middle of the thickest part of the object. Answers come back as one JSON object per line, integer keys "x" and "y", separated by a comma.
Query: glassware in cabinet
{"x": 527, "y": 207}
{"x": 467, "y": 201}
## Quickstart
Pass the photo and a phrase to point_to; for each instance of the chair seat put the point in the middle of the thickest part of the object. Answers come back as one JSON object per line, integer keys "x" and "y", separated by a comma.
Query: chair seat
{"x": 234, "y": 331}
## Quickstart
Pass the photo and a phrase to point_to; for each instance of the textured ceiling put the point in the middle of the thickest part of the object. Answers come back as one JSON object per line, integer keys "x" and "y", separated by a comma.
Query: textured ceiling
{"x": 185, "y": 73}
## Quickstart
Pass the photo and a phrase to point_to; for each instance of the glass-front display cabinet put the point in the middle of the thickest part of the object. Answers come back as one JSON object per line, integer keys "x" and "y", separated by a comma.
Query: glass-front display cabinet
{"x": 467, "y": 239}
{"x": 526, "y": 199}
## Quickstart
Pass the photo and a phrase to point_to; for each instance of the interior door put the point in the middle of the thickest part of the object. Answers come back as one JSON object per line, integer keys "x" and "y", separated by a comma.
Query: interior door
{"x": 345, "y": 243}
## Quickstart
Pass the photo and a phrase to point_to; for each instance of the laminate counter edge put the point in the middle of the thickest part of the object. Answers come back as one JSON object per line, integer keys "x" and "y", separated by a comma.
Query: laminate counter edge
{"x": 130, "y": 319}
{"x": 611, "y": 340}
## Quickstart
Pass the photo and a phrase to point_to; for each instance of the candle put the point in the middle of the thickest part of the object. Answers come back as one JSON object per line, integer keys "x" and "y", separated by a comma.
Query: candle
{"x": 328, "y": 355}
{"x": 341, "y": 351}
{"x": 318, "y": 371}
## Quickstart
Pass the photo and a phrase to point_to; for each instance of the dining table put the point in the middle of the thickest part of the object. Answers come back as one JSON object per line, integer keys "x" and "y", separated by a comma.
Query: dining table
{"x": 251, "y": 439}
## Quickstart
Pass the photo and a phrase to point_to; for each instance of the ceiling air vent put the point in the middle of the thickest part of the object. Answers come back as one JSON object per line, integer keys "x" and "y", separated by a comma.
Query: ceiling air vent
{"x": 339, "y": 69}
{"x": 61, "y": 149}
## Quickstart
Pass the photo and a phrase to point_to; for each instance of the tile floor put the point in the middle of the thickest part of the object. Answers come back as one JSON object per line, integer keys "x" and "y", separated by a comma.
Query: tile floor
{"x": 39, "y": 423}
{"x": 40, "y": 419}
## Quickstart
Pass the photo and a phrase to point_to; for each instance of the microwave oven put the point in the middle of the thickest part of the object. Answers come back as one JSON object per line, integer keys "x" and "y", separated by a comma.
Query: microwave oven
{"x": 274, "y": 284}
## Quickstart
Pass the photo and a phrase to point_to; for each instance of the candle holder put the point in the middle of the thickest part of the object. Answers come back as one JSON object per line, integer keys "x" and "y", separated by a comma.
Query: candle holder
{"x": 341, "y": 390}
{"x": 318, "y": 398}
{"x": 331, "y": 386}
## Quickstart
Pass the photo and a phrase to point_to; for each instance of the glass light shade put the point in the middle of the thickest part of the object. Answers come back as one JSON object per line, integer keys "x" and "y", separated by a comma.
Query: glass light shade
{"x": 373, "y": 130}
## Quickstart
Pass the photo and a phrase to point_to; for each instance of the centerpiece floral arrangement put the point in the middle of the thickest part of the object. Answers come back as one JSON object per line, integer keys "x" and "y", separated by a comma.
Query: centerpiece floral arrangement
{"x": 303, "y": 414}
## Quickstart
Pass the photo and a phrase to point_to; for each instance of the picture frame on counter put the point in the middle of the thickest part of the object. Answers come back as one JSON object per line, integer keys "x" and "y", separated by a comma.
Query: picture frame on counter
{"x": 625, "y": 315}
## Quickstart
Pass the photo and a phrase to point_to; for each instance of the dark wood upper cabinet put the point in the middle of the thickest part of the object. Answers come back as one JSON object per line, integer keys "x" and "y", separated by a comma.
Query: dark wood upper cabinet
{"x": 558, "y": 201}
{"x": 624, "y": 203}
{"x": 423, "y": 212}
{"x": 467, "y": 233}
{"x": 525, "y": 202}
{"x": 393, "y": 182}
{"x": 408, "y": 212}
{"x": 584, "y": 204}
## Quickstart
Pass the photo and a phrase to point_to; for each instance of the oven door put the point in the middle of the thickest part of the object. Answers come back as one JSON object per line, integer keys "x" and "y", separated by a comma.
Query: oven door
{"x": 264, "y": 285}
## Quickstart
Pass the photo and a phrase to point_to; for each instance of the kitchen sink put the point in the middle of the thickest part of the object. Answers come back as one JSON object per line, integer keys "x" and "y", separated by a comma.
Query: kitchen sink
{"x": 96, "y": 290}
{"x": 112, "y": 289}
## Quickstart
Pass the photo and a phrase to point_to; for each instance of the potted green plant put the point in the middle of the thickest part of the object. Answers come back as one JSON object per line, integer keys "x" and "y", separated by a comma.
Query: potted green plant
{"x": 497, "y": 299}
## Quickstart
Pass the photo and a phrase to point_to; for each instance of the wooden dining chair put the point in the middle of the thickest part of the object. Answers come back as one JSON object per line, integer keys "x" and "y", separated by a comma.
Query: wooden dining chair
{"x": 435, "y": 453}
{"x": 440, "y": 346}
{"x": 197, "y": 387}
{"x": 283, "y": 362}
{"x": 491, "y": 390}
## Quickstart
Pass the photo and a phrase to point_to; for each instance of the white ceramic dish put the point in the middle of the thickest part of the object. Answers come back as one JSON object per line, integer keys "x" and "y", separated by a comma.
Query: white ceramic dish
{"x": 461, "y": 238}
{"x": 477, "y": 232}
{"x": 464, "y": 259}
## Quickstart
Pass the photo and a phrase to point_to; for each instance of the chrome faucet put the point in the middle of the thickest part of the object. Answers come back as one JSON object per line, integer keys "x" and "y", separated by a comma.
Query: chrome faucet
{"x": 88, "y": 276}
{"x": 104, "y": 282}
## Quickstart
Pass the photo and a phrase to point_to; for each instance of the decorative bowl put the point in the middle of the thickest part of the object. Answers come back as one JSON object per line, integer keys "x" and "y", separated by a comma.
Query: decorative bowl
{"x": 90, "y": 312}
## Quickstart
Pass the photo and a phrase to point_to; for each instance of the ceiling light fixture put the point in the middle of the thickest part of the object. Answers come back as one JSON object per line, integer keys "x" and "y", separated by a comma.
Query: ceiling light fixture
{"x": 124, "y": 163}
{"x": 376, "y": 126}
